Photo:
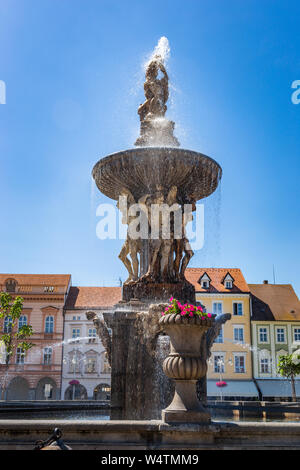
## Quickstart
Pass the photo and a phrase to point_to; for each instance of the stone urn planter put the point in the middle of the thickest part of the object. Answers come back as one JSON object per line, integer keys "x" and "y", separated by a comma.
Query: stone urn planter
{"x": 185, "y": 364}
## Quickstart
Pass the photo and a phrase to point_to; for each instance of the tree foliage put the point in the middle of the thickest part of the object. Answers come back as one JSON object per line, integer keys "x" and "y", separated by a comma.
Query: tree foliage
{"x": 13, "y": 337}
{"x": 289, "y": 365}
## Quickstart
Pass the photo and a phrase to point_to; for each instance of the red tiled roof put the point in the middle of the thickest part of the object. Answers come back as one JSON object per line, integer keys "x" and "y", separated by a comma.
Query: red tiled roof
{"x": 93, "y": 297}
{"x": 217, "y": 275}
{"x": 274, "y": 302}
{"x": 38, "y": 279}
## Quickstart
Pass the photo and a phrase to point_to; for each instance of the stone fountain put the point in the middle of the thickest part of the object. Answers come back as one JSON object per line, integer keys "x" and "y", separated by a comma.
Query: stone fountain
{"x": 144, "y": 361}
{"x": 156, "y": 186}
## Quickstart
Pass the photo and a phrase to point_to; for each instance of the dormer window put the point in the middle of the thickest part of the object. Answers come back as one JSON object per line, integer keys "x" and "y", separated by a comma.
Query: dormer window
{"x": 11, "y": 285}
{"x": 204, "y": 281}
{"x": 228, "y": 281}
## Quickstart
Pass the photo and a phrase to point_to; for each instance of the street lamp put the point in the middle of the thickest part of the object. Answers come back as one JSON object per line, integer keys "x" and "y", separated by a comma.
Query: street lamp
{"x": 221, "y": 383}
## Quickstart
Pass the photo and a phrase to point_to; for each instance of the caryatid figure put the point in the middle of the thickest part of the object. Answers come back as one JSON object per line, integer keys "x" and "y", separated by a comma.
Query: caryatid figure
{"x": 183, "y": 244}
{"x": 162, "y": 244}
{"x": 167, "y": 246}
{"x": 131, "y": 246}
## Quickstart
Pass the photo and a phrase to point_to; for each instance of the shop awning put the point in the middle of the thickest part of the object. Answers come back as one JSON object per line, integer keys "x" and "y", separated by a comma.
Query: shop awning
{"x": 238, "y": 388}
{"x": 277, "y": 387}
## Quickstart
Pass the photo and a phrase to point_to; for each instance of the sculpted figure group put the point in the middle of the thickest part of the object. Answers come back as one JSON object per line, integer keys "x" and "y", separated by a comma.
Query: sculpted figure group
{"x": 155, "y": 128}
{"x": 156, "y": 232}
{"x": 156, "y": 91}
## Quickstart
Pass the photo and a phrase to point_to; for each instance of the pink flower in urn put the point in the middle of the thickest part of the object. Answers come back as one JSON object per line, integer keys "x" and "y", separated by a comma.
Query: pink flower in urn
{"x": 185, "y": 309}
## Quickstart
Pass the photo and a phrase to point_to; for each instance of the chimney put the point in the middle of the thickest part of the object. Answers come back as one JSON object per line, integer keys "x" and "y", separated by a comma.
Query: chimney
{"x": 266, "y": 282}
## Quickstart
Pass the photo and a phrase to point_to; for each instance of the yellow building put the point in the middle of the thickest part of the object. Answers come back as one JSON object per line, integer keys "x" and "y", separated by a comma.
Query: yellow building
{"x": 224, "y": 290}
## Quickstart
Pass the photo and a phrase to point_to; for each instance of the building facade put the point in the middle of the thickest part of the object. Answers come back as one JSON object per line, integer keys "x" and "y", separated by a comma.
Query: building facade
{"x": 275, "y": 323}
{"x": 85, "y": 371}
{"x": 226, "y": 291}
{"x": 36, "y": 375}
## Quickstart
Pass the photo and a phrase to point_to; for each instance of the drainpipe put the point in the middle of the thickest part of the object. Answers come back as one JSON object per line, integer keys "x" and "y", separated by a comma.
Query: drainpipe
{"x": 258, "y": 389}
{"x": 252, "y": 355}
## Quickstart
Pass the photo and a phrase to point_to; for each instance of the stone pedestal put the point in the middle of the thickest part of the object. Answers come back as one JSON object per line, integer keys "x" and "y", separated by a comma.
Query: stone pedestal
{"x": 185, "y": 364}
{"x": 185, "y": 407}
{"x": 159, "y": 292}
{"x": 157, "y": 132}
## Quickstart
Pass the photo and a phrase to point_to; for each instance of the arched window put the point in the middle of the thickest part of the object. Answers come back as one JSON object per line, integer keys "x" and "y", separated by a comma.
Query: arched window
{"x": 22, "y": 321}
{"x": 102, "y": 392}
{"x": 47, "y": 359}
{"x": 7, "y": 324}
{"x": 49, "y": 324}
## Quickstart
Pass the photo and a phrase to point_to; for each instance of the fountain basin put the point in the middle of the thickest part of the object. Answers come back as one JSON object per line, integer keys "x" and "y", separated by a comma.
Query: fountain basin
{"x": 151, "y": 435}
{"x": 142, "y": 169}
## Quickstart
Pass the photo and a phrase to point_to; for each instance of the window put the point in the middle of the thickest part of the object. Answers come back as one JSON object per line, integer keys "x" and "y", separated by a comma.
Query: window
{"x": 20, "y": 356}
{"x": 106, "y": 367}
{"x": 75, "y": 361}
{"x": 238, "y": 334}
{"x": 49, "y": 289}
{"x": 7, "y": 327}
{"x": 22, "y": 321}
{"x": 296, "y": 334}
{"x": 204, "y": 281}
{"x": 219, "y": 338}
{"x": 47, "y": 359}
{"x": 91, "y": 364}
{"x": 92, "y": 335}
{"x": 239, "y": 364}
{"x": 219, "y": 363}
{"x": 280, "y": 335}
{"x": 228, "y": 284}
{"x": 264, "y": 366}
{"x": 75, "y": 334}
{"x": 237, "y": 308}
{"x": 49, "y": 324}
{"x": 217, "y": 308}
{"x": 263, "y": 335}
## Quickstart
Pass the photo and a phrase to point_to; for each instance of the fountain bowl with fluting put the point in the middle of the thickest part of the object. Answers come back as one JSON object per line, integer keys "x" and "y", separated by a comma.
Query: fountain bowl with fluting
{"x": 142, "y": 169}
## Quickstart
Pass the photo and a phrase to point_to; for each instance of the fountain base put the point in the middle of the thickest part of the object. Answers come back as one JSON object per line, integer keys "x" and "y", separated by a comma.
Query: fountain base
{"x": 139, "y": 388}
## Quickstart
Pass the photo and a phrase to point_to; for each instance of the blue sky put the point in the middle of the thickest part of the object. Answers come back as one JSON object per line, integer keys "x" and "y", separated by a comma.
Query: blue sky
{"x": 74, "y": 78}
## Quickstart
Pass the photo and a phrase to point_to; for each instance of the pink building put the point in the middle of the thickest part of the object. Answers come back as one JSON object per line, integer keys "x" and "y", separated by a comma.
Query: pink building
{"x": 37, "y": 374}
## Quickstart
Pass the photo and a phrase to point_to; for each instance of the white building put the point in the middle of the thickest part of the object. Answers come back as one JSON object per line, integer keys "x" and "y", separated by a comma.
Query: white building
{"x": 85, "y": 370}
